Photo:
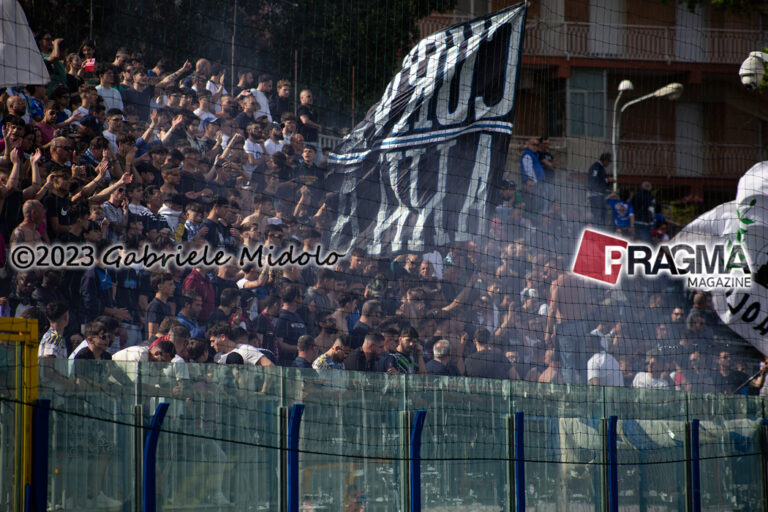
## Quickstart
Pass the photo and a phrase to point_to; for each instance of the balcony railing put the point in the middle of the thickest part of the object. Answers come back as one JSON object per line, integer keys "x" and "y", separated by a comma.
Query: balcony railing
{"x": 659, "y": 159}
{"x": 633, "y": 42}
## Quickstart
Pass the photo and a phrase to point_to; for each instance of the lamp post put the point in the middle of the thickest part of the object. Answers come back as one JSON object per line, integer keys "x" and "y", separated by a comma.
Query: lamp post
{"x": 672, "y": 91}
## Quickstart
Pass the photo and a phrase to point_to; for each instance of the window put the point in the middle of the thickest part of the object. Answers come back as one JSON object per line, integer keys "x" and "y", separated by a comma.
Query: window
{"x": 586, "y": 103}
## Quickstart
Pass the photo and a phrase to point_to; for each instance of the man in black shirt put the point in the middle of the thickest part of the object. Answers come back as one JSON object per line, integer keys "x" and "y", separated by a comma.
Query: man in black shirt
{"x": 441, "y": 364}
{"x": 644, "y": 205}
{"x": 309, "y": 127}
{"x": 364, "y": 358}
{"x": 57, "y": 205}
{"x": 486, "y": 362}
{"x": 265, "y": 325}
{"x": 598, "y": 188}
{"x": 290, "y": 326}
{"x": 311, "y": 176}
{"x": 158, "y": 308}
{"x": 229, "y": 303}
{"x": 218, "y": 236}
{"x": 727, "y": 378}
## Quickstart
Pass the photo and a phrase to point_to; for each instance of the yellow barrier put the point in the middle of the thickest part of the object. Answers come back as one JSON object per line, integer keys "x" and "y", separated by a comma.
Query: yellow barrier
{"x": 25, "y": 334}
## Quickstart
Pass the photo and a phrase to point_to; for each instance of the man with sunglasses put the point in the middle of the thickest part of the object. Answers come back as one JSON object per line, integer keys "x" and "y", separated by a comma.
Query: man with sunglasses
{"x": 530, "y": 166}
{"x": 56, "y": 202}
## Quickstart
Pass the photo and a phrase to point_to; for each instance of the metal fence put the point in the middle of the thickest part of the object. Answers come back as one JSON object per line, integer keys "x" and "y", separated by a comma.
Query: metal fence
{"x": 222, "y": 442}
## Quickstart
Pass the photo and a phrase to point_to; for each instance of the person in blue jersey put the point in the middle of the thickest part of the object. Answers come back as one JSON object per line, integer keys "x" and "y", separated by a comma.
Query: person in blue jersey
{"x": 622, "y": 213}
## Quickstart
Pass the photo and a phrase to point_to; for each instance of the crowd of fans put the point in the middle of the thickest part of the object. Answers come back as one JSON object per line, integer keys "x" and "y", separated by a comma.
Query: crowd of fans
{"x": 116, "y": 152}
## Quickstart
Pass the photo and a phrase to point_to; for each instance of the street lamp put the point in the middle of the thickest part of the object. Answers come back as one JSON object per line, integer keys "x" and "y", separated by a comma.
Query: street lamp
{"x": 752, "y": 70}
{"x": 672, "y": 91}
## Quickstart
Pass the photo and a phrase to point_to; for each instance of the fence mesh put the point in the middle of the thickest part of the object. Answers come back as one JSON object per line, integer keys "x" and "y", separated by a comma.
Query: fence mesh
{"x": 555, "y": 201}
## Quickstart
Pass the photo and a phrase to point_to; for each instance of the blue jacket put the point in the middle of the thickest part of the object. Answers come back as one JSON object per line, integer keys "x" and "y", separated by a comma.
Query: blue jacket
{"x": 530, "y": 167}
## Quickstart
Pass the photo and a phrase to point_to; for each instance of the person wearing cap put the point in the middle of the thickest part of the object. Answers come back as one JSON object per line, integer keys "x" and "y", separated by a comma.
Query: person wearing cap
{"x": 209, "y": 143}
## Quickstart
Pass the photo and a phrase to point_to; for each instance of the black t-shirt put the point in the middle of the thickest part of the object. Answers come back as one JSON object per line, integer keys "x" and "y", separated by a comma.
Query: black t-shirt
{"x": 243, "y": 119}
{"x": 139, "y": 100}
{"x": 435, "y": 367}
{"x": 597, "y": 179}
{"x": 130, "y": 284}
{"x": 729, "y": 383}
{"x": 357, "y": 334}
{"x": 157, "y": 310}
{"x": 11, "y": 213}
{"x": 218, "y": 316}
{"x": 312, "y": 177}
{"x": 310, "y": 134}
{"x": 357, "y": 361}
{"x": 278, "y": 106}
{"x": 290, "y": 326}
{"x": 218, "y": 235}
{"x": 191, "y": 183}
{"x": 86, "y": 353}
{"x": 265, "y": 327}
{"x": 488, "y": 364}
{"x": 58, "y": 207}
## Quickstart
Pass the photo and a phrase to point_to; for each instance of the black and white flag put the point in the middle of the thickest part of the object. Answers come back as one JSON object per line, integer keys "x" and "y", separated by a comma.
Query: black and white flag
{"x": 421, "y": 169}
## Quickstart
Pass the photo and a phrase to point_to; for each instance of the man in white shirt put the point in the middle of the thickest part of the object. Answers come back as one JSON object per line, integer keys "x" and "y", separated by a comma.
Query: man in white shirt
{"x": 105, "y": 89}
{"x": 115, "y": 127}
{"x": 205, "y": 106}
{"x": 220, "y": 336}
{"x": 254, "y": 151}
{"x": 653, "y": 378}
{"x": 602, "y": 368}
{"x": 260, "y": 93}
{"x": 161, "y": 352}
{"x": 273, "y": 144}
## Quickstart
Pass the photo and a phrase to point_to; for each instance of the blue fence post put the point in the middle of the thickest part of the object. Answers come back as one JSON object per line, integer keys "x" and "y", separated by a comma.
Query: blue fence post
{"x": 294, "y": 423}
{"x": 40, "y": 427}
{"x": 695, "y": 474}
{"x": 415, "y": 462}
{"x": 149, "y": 489}
{"x": 519, "y": 461}
{"x": 764, "y": 461}
{"x": 613, "y": 474}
